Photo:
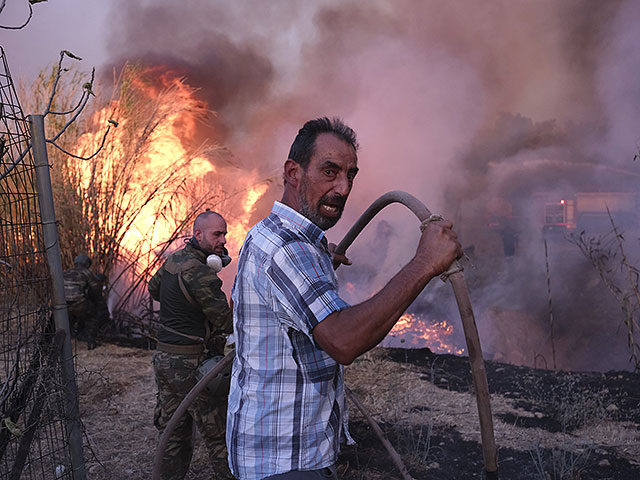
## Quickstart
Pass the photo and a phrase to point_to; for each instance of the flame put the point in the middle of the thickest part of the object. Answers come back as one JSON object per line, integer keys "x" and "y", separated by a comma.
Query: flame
{"x": 237, "y": 231}
{"x": 413, "y": 331}
{"x": 166, "y": 161}
{"x": 350, "y": 287}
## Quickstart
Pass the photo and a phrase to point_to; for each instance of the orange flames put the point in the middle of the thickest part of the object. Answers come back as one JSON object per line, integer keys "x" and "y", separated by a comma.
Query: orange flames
{"x": 413, "y": 331}
{"x": 237, "y": 230}
{"x": 162, "y": 182}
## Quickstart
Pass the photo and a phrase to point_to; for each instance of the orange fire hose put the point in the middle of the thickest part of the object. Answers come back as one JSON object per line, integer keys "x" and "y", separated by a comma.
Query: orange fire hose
{"x": 468, "y": 323}
{"x": 466, "y": 314}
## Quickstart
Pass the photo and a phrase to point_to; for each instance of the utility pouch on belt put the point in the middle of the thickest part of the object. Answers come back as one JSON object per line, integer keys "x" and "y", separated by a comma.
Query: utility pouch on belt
{"x": 218, "y": 385}
{"x": 192, "y": 350}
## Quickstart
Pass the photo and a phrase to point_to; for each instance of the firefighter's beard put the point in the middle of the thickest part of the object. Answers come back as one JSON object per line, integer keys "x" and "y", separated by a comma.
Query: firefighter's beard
{"x": 208, "y": 248}
{"x": 313, "y": 212}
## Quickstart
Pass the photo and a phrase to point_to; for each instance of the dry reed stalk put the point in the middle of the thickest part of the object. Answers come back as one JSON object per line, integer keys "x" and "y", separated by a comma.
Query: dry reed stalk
{"x": 602, "y": 252}
{"x": 550, "y": 305}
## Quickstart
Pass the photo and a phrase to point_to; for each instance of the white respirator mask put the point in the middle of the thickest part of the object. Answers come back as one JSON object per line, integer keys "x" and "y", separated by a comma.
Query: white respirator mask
{"x": 214, "y": 262}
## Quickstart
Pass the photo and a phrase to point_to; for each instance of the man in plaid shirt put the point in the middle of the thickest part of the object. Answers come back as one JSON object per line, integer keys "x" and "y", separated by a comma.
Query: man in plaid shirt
{"x": 287, "y": 412}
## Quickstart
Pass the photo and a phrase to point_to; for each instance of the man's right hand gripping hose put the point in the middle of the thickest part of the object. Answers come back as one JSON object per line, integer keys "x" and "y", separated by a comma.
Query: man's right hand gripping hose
{"x": 449, "y": 267}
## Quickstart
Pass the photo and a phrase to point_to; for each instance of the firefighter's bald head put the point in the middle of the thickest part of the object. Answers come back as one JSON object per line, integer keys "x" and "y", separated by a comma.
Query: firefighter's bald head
{"x": 210, "y": 230}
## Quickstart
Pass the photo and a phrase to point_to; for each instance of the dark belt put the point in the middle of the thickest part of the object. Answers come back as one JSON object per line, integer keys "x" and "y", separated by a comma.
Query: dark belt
{"x": 197, "y": 349}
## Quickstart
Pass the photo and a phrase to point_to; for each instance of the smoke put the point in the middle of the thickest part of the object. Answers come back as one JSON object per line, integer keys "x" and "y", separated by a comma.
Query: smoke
{"x": 459, "y": 103}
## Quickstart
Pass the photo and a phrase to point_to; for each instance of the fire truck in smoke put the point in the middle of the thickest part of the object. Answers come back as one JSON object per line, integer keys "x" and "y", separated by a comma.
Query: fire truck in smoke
{"x": 588, "y": 211}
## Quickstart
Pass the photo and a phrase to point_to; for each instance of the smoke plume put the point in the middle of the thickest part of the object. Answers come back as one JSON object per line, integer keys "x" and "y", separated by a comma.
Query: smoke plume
{"x": 467, "y": 105}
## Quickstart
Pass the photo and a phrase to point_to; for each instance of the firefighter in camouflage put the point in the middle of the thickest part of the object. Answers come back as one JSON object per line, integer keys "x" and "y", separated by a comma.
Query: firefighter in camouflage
{"x": 195, "y": 319}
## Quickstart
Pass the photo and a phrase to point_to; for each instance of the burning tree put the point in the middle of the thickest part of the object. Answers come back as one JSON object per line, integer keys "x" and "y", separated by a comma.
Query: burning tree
{"x": 130, "y": 202}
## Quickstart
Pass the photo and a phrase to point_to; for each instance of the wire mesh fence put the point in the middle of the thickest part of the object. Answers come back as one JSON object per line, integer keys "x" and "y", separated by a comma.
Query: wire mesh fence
{"x": 33, "y": 430}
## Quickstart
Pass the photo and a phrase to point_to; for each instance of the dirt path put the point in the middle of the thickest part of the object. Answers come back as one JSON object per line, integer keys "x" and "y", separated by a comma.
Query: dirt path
{"x": 572, "y": 426}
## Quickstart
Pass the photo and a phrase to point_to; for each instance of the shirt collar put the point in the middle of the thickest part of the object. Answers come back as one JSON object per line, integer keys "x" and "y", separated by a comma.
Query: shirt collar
{"x": 296, "y": 221}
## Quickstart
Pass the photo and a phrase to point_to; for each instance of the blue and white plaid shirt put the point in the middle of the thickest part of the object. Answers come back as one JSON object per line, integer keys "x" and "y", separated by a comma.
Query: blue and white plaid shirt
{"x": 286, "y": 406}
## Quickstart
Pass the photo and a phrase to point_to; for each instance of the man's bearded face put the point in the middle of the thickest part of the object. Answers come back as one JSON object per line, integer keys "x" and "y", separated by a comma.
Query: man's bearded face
{"x": 324, "y": 212}
{"x": 326, "y": 182}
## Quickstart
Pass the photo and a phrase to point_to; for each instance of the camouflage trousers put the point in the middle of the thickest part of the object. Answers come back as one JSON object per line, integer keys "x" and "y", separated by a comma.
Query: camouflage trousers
{"x": 175, "y": 377}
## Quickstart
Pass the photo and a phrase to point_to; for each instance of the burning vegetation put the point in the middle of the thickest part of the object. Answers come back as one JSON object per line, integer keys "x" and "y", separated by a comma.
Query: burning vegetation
{"x": 411, "y": 331}
{"x": 137, "y": 197}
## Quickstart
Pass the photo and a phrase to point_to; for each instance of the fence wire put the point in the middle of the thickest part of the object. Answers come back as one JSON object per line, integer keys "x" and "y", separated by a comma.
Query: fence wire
{"x": 33, "y": 433}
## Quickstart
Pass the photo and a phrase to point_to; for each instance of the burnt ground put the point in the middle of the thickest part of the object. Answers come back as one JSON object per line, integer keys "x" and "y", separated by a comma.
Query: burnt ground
{"x": 556, "y": 425}
{"x": 548, "y": 425}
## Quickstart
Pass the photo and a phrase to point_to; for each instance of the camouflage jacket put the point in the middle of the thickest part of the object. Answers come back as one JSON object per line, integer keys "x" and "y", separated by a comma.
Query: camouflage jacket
{"x": 207, "y": 302}
{"x": 81, "y": 284}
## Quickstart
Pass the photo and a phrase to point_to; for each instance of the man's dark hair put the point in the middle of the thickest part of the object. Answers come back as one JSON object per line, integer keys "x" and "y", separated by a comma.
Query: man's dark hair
{"x": 302, "y": 147}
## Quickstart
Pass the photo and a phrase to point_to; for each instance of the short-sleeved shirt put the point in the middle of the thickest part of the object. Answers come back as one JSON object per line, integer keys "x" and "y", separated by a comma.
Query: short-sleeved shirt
{"x": 286, "y": 407}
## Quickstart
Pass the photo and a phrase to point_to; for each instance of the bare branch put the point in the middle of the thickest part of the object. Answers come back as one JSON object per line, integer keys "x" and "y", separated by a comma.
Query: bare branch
{"x": 7, "y": 27}
{"x": 632, "y": 281}
{"x": 57, "y": 80}
{"x": 104, "y": 139}
{"x": 607, "y": 254}
{"x": 85, "y": 96}
{"x": 74, "y": 108}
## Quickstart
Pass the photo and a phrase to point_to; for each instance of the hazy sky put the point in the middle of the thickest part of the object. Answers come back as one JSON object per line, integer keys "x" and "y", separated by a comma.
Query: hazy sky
{"x": 75, "y": 25}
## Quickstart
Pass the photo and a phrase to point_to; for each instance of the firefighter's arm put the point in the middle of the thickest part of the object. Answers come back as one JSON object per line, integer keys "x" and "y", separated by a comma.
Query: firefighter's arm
{"x": 154, "y": 284}
{"x": 206, "y": 289}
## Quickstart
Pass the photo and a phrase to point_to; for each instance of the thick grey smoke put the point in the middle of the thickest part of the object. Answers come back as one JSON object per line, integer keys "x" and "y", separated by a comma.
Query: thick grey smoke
{"x": 460, "y": 103}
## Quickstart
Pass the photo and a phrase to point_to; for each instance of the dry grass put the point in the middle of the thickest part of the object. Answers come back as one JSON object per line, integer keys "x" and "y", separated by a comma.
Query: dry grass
{"x": 384, "y": 387}
{"x": 104, "y": 205}
{"x": 118, "y": 396}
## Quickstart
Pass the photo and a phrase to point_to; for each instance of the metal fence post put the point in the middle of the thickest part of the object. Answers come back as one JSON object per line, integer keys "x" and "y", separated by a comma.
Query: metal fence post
{"x": 60, "y": 314}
